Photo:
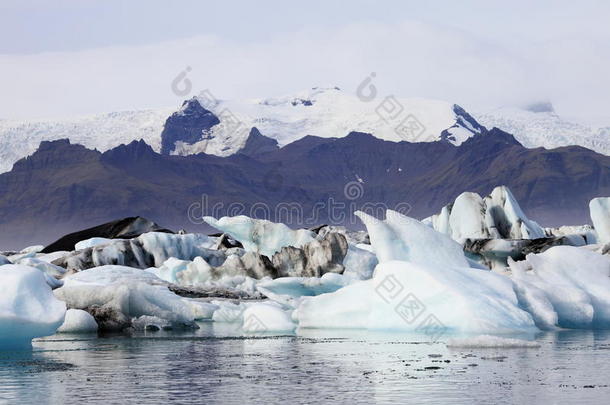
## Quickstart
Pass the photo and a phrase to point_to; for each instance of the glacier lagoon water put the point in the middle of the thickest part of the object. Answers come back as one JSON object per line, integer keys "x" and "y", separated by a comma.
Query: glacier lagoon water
{"x": 217, "y": 365}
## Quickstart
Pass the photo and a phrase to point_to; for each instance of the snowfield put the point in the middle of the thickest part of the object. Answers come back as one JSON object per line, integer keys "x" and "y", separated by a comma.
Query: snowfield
{"x": 323, "y": 112}
{"x": 19, "y": 139}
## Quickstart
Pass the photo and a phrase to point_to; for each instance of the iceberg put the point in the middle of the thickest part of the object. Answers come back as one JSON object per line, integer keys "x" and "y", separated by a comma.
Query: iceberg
{"x": 147, "y": 250}
{"x": 91, "y": 242}
{"x": 600, "y": 215}
{"x": 497, "y": 216}
{"x": 407, "y": 296}
{"x": 4, "y": 260}
{"x": 267, "y": 317}
{"x": 565, "y": 286}
{"x": 28, "y": 308}
{"x": 261, "y": 236}
{"x": 115, "y": 295}
{"x": 400, "y": 238}
{"x": 78, "y": 321}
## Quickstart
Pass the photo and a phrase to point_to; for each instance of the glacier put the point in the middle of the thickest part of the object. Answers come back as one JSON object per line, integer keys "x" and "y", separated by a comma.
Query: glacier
{"x": 28, "y": 308}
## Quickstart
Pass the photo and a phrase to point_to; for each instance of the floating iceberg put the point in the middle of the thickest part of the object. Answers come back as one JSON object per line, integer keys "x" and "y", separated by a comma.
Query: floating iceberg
{"x": 415, "y": 297}
{"x": 406, "y": 239}
{"x": 600, "y": 215}
{"x": 147, "y": 250}
{"x": 267, "y": 317}
{"x": 89, "y": 243}
{"x": 497, "y": 216}
{"x": 115, "y": 295}
{"x": 78, "y": 321}
{"x": 28, "y": 308}
{"x": 286, "y": 290}
{"x": 565, "y": 286}
{"x": 261, "y": 236}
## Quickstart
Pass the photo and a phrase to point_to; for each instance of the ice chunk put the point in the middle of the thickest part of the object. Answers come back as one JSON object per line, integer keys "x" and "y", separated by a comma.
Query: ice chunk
{"x": 4, "y": 260}
{"x": 149, "y": 249}
{"x": 403, "y": 238}
{"x": 359, "y": 262}
{"x": 467, "y": 218}
{"x": 600, "y": 215}
{"x": 228, "y": 311}
{"x": 267, "y": 317}
{"x": 78, "y": 321}
{"x": 284, "y": 290}
{"x": 261, "y": 236}
{"x": 125, "y": 292}
{"x": 201, "y": 310}
{"x": 33, "y": 249}
{"x": 87, "y": 243}
{"x": 28, "y": 308}
{"x": 497, "y": 216}
{"x": 409, "y": 296}
{"x": 490, "y": 341}
{"x": 505, "y": 219}
{"x": 567, "y": 283}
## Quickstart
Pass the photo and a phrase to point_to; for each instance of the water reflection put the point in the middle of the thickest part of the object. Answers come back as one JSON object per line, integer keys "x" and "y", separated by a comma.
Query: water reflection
{"x": 215, "y": 365}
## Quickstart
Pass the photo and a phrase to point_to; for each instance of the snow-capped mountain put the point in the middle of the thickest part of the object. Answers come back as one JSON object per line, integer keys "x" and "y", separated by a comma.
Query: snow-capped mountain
{"x": 327, "y": 113}
{"x": 539, "y": 125}
{"x": 19, "y": 139}
{"x": 223, "y": 127}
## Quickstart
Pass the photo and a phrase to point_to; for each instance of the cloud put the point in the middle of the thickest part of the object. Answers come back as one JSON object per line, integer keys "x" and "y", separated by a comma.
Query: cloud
{"x": 411, "y": 58}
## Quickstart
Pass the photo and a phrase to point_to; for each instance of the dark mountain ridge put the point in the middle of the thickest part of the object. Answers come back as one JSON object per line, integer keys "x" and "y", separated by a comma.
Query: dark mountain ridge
{"x": 63, "y": 187}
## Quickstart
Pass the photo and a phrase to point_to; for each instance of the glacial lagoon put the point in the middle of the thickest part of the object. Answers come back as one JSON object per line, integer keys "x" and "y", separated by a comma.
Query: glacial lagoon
{"x": 217, "y": 364}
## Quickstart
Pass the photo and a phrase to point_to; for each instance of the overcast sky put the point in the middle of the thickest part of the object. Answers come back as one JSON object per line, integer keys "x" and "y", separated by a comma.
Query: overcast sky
{"x": 61, "y": 58}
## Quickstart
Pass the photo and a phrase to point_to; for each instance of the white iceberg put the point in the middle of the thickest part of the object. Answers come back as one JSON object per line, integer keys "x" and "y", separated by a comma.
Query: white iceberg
{"x": 261, "y": 236}
{"x": 287, "y": 290}
{"x": 87, "y": 243}
{"x": 413, "y": 297}
{"x": 28, "y": 308}
{"x": 565, "y": 286}
{"x": 406, "y": 239}
{"x": 127, "y": 291}
{"x": 78, "y": 321}
{"x": 359, "y": 262}
{"x": 267, "y": 317}
{"x": 497, "y": 216}
{"x": 600, "y": 215}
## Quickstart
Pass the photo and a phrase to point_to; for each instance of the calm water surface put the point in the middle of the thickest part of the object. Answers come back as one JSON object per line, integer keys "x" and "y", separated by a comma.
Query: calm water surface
{"x": 215, "y": 365}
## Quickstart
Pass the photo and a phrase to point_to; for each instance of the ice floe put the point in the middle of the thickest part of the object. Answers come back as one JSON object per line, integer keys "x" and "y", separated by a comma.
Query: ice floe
{"x": 28, "y": 308}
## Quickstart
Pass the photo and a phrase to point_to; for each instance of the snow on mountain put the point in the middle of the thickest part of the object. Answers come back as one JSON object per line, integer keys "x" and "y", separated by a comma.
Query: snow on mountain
{"x": 19, "y": 139}
{"x": 539, "y": 125}
{"x": 330, "y": 112}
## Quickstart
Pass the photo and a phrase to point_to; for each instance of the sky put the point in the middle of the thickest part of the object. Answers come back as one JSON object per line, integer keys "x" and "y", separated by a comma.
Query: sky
{"x": 73, "y": 57}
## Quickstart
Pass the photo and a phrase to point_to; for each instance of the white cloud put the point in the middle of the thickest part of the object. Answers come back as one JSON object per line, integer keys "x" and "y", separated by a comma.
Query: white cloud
{"x": 411, "y": 58}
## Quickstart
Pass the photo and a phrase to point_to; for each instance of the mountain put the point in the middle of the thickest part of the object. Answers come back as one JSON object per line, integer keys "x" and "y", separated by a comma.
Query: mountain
{"x": 538, "y": 125}
{"x": 19, "y": 139}
{"x": 327, "y": 113}
{"x": 63, "y": 186}
{"x": 204, "y": 124}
